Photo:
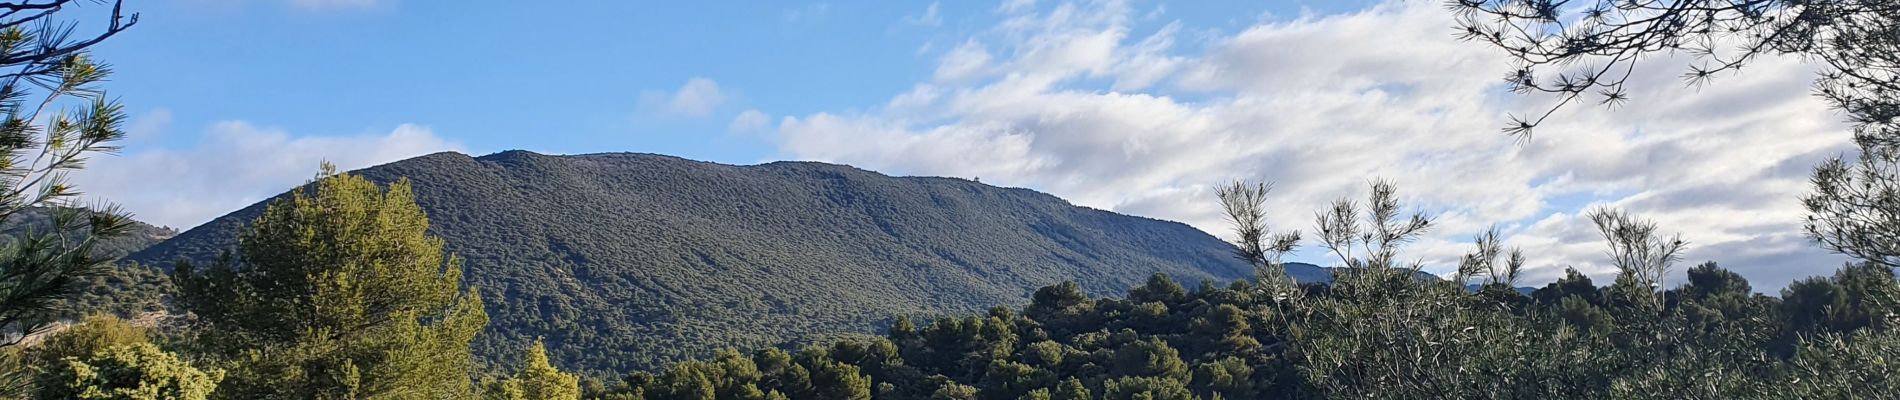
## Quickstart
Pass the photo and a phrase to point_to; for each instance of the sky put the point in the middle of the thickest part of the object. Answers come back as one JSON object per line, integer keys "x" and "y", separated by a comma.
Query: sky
{"x": 1138, "y": 107}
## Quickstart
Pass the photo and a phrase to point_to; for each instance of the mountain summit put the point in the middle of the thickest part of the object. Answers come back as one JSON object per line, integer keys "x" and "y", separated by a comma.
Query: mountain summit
{"x": 621, "y": 261}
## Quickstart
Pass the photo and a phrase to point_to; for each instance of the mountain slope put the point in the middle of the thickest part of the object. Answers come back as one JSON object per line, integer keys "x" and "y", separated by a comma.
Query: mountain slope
{"x": 40, "y": 219}
{"x": 622, "y": 261}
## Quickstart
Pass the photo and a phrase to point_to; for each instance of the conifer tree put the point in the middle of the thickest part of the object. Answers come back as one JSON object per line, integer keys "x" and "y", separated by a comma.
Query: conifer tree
{"x": 1071, "y": 389}
{"x": 537, "y": 380}
{"x": 1145, "y": 388}
{"x": 44, "y": 136}
{"x": 338, "y": 291}
{"x": 834, "y": 380}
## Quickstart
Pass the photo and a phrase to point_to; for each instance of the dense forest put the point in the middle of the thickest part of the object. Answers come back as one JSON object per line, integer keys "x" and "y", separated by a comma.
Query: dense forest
{"x": 520, "y": 276}
{"x": 630, "y": 261}
{"x": 1713, "y": 338}
{"x": 1375, "y": 332}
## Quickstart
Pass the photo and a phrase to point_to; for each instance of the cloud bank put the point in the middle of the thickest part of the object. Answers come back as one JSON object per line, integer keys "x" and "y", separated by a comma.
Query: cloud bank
{"x": 236, "y": 164}
{"x": 1073, "y": 99}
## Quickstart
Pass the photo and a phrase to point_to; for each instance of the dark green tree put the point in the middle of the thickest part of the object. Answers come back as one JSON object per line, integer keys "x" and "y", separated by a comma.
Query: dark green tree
{"x": 1071, "y": 389}
{"x": 1160, "y": 288}
{"x": 537, "y": 380}
{"x": 338, "y": 291}
{"x": 1228, "y": 377}
{"x": 834, "y": 380}
{"x": 1145, "y": 388}
{"x": 1573, "y": 284}
{"x": 1152, "y": 357}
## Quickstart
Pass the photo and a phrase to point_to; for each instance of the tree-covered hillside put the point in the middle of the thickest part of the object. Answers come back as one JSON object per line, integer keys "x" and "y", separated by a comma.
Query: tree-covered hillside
{"x": 140, "y": 236}
{"x": 624, "y": 261}
{"x": 122, "y": 288}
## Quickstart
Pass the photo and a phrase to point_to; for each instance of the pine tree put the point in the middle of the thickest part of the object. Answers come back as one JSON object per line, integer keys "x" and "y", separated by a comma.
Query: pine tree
{"x": 338, "y": 291}
{"x": 1150, "y": 357}
{"x": 834, "y": 380}
{"x": 1145, "y": 388}
{"x": 537, "y": 380}
{"x": 1071, "y": 389}
{"x": 44, "y": 136}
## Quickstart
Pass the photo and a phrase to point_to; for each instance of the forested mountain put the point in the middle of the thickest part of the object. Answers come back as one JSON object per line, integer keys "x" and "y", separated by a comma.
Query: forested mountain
{"x": 40, "y": 219}
{"x": 624, "y": 261}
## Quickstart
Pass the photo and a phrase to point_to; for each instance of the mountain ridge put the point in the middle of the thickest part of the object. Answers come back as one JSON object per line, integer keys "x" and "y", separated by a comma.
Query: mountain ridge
{"x": 622, "y": 261}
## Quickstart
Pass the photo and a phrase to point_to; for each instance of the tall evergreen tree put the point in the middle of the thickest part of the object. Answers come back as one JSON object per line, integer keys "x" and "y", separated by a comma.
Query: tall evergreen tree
{"x": 537, "y": 380}
{"x": 338, "y": 291}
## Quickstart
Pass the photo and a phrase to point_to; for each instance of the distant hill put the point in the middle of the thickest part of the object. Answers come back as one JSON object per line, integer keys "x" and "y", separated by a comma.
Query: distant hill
{"x": 124, "y": 289}
{"x": 1310, "y": 273}
{"x": 40, "y": 219}
{"x": 1524, "y": 290}
{"x": 624, "y": 261}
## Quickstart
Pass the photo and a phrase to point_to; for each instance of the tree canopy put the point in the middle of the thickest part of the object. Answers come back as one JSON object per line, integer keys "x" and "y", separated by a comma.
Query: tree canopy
{"x": 339, "y": 291}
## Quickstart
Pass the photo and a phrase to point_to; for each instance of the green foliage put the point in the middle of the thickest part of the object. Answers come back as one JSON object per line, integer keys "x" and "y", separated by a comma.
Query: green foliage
{"x": 93, "y": 335}
{"x": 338, "y": 292}
{"x": 134, "y": 371}
{"x": 768, "y": 374}
{"x": 537, "y": 380}
{"x": 125, "y": 289}
{"x": 1145, "y": 388}
{"x": 137, "y": 236}
{"x": 631, "y": 261}
{"x": 43, "y": 137}
{"x": 1229, "y": 377}
{"x": 1071, "y": 389}
{"x": 1857, "y": 296}
{"x": 1835, "y": 366}
{"x": 1373, "y": 334}
{"x": 1150, "y": 357}
{"x": 1376, "y": 331}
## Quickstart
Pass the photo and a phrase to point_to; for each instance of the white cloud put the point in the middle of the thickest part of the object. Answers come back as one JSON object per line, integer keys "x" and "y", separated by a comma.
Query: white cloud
{"x": 697, "y": 98}
{"x": 1321, "y": 104}
{"x": 967, "y": 61}
{"x": 149, "y": 125}
{"x": 235, "y": 164}
{"x": 930, "y": 17}
{"x": 749, "y": 121}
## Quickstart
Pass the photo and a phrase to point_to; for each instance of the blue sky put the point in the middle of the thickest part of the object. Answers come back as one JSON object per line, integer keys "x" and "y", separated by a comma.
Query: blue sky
{"x": 1136, "y": 106}
{"x": 563, "y": 79}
